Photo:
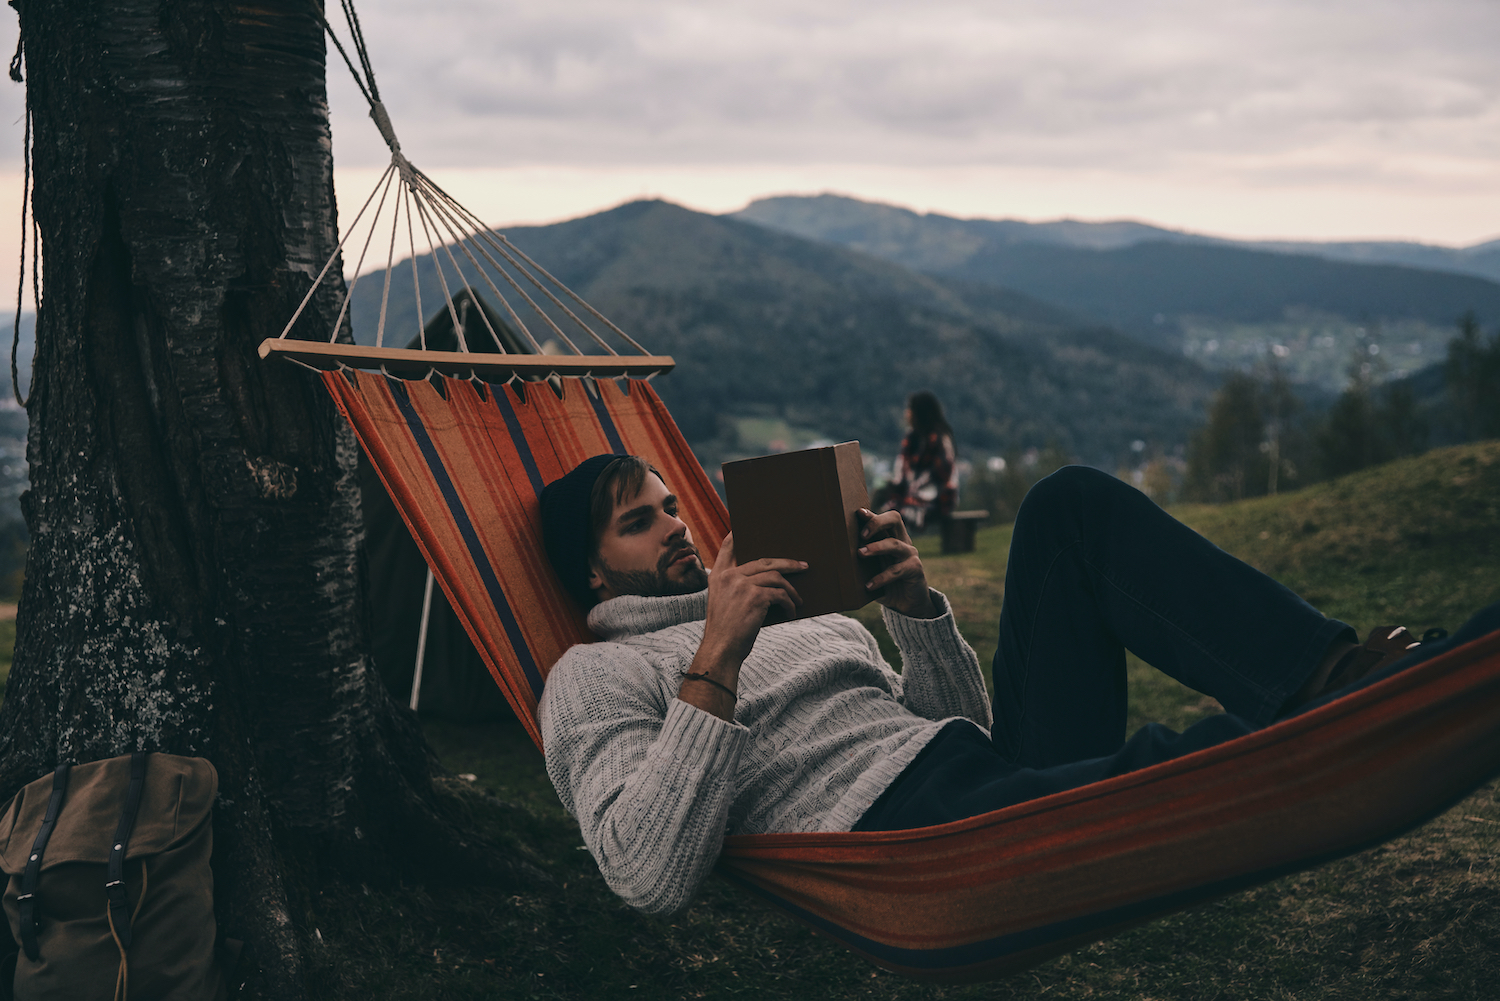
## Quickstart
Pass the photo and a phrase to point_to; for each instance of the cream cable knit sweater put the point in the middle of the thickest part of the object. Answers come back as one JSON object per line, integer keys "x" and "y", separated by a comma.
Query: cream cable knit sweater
{"x": 822, "y": 727}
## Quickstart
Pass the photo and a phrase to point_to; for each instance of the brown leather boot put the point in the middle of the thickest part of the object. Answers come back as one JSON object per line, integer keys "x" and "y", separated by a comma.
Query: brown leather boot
{"x": 1383, "y": 645}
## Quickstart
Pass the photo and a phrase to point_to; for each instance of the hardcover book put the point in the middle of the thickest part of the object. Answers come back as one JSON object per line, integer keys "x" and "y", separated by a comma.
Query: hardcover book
{"x": 802, "y": 506}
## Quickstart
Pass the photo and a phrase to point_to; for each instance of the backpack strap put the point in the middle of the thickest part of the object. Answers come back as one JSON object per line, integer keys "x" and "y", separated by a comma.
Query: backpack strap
{"x": 33, "y": 872}
{"x": 119, "y": 906}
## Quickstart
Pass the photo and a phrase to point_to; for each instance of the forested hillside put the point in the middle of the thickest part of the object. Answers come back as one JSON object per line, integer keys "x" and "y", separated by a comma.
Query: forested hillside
{"x": 771, "y": 331}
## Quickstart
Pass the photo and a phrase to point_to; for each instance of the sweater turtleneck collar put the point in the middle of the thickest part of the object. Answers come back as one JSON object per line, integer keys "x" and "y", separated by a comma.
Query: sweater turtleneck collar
{"x": 634, "y": 614}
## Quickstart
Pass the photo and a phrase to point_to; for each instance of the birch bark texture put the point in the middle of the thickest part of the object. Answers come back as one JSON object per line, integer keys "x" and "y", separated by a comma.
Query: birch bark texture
{"x": 194, "y": 582}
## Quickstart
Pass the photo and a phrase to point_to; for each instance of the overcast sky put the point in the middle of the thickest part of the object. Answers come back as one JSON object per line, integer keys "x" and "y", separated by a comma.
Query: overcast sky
{"x": 1277, "y": 118}
{"x": 1366, "y": 118}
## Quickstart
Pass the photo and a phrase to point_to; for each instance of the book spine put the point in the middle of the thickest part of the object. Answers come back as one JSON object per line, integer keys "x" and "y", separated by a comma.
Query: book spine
{"x": 850, "y": 588}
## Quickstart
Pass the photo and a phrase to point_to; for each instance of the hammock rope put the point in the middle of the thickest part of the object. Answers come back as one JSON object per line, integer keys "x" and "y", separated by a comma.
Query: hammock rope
{"x": 464, "y": 253}
{"x": 28, "y": 222}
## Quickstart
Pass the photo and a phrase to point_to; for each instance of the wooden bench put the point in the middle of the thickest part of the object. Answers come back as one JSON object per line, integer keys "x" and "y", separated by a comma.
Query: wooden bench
{"x": 959, "y": 528}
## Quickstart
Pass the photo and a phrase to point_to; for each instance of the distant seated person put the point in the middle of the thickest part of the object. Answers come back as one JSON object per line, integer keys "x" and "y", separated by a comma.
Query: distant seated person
{"x": 924, "y": 482}
{"x": 692, "y": 719}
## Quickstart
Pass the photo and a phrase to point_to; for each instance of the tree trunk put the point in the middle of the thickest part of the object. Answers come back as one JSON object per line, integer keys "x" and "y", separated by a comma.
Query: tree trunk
{"x": 194, "y": 583}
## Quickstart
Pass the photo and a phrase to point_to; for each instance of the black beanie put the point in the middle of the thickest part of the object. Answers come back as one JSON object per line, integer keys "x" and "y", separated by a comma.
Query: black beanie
{"x": 566, "y": 529}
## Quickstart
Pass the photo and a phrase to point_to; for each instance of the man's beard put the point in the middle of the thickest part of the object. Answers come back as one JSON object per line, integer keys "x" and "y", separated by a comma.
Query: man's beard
{"x": 657, "y": 583}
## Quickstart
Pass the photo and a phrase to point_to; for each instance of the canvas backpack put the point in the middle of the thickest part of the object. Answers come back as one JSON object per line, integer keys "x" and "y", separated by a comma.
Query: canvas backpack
{"x": 110, "y": 893}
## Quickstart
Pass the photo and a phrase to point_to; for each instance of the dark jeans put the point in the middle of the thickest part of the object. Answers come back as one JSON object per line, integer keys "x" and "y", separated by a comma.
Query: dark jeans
{"x": 1096, "y": 568}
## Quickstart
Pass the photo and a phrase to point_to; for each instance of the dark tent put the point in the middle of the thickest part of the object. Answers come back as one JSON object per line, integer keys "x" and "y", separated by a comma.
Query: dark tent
{"x": 455, "y": 683}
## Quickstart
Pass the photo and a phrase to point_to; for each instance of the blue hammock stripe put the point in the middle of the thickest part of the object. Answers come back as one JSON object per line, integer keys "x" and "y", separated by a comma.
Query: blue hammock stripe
{"x": 505, "y": 403}
{"x": 606, "y": 422}
{"x": 496, "y": 593}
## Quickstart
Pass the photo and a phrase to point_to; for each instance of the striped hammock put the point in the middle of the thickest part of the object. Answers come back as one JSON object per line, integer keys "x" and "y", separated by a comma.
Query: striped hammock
{"x": 464, "y": 444}
{"x": 974, "y": 899}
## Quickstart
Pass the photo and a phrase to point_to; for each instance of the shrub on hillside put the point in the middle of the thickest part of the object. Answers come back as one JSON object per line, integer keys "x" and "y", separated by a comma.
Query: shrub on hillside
{"x": 1252, "y": 444}
{"x": 1369, "y": 424}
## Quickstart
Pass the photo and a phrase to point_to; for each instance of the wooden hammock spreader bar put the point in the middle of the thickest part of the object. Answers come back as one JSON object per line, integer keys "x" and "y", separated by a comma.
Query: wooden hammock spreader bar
{"x": 463, "y": 365}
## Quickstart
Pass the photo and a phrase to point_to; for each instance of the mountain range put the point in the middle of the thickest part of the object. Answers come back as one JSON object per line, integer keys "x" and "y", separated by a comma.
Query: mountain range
{"x": 856, "y": 219}
{"x": 1221, "y": 302}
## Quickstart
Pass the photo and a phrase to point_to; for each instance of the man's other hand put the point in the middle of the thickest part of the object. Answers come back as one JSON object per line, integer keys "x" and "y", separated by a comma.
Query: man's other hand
{"x": 738, "y": 599}
{"x": 739, "y": 596}
{"x": 903, "y": 578}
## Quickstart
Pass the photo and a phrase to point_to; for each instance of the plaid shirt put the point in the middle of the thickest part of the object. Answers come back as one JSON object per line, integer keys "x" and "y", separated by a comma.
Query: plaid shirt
{"x": 924, "y": 483}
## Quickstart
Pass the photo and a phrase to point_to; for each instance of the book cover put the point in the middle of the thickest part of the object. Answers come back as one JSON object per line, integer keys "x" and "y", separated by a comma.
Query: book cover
{"x": 802, "y": 506}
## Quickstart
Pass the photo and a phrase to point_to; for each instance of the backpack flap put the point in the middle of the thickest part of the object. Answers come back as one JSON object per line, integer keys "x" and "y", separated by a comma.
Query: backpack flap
{"x": 177, "y": 797}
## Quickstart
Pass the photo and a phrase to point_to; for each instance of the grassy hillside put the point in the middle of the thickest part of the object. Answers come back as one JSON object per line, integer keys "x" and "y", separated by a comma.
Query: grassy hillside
{"x": 771, "y": 327}
{"x": 1414, "y": 542}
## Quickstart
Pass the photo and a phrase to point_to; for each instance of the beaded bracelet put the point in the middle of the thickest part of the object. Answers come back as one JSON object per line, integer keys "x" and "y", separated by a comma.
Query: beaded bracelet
{"x": 704, "y": 677}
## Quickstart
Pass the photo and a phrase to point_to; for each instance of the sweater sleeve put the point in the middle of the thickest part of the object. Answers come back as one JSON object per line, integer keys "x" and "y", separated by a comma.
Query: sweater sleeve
{"x": 649, "y": 777}
{"x": 940, "y": 676}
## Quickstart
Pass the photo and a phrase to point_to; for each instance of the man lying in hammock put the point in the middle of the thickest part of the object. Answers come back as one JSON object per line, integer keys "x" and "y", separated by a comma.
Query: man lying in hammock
{"x": 692, "y": 720}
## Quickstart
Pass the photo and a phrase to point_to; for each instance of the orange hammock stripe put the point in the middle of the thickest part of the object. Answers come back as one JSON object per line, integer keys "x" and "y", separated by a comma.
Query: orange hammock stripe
{"x": 967, "y": 900}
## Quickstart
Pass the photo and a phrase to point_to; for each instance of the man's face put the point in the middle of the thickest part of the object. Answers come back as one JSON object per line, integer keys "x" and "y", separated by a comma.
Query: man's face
{"x": 646, "y": 549}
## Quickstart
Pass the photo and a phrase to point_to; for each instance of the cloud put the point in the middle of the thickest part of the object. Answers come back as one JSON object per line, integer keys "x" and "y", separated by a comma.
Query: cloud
{"x": 1136, "y": 85}
{"x": 1279, "y": 117}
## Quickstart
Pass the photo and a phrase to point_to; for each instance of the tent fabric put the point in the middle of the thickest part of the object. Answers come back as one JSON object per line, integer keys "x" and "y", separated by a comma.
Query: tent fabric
{"x": 977, "y": 898}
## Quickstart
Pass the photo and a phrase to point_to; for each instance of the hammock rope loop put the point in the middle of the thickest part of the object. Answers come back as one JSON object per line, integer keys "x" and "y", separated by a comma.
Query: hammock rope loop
{"x": 351, "y": 17}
